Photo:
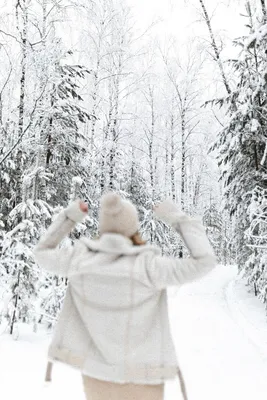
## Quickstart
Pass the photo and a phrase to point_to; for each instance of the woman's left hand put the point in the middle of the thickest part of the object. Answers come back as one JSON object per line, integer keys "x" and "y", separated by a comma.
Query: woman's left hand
{"x": 83, "y": 206}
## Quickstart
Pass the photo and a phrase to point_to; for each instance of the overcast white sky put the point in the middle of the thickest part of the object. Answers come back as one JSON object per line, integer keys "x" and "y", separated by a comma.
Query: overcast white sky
{"x": 180, "y": 18}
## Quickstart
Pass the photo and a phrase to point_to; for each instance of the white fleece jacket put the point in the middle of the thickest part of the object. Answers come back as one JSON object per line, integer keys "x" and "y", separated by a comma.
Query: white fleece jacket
{"x": 114, "y": 324}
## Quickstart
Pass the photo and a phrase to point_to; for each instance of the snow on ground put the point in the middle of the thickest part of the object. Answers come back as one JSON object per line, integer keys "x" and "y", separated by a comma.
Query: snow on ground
{"x": 220, "y": 333}
{"x": 221, "y": 339}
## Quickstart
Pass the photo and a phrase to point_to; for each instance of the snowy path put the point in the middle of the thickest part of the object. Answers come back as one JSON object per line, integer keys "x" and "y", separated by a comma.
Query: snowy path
{"x": 221, "y": 340}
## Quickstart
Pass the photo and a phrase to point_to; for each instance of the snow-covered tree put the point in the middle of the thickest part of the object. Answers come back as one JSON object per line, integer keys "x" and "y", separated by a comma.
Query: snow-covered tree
{"x": 256, "y": 236}
{"x": 17, "y": 264}
{"x": 242, "y": 146}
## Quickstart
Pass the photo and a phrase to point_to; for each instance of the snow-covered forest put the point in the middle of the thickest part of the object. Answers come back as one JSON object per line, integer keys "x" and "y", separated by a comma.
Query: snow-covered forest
{"x": 91, "y": 100}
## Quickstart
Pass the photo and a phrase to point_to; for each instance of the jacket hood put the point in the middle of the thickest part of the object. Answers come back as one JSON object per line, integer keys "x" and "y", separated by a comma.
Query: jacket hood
{"x": 114, "y": 243}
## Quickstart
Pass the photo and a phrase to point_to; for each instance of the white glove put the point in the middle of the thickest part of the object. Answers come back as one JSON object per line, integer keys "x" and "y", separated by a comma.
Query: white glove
{"x": 169, "y": 212}
{"x": 191, "y": 229}
{"x": 74, "y": 212}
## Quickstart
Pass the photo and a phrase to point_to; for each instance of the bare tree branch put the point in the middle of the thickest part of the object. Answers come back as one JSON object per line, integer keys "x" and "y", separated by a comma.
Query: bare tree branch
{"x": 9, "y": 34}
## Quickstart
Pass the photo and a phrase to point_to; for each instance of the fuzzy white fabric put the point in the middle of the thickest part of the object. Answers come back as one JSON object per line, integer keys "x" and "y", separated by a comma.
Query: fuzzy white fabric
{"x": 74, "y": 213}
{"x": 194, "y": 237}
{"x": 114, "y": 324}
{"x": 169, "y": 212}
{"x": 117, "y": 215}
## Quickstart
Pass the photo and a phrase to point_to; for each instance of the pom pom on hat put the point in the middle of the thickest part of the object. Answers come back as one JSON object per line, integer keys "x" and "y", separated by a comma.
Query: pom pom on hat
{"x": 117, "y": 215}
{"x": 111, "y": 203}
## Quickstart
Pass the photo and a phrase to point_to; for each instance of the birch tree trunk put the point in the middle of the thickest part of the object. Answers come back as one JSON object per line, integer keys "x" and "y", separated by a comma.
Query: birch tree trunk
{"x": 114, "y": 129}
{"x": 16, "y": 298}
{"x": 40, "y": 133}
{"x": 215, "y": 47}
{"x": 183, "y": 159}
{"x": 150, "y": 140}
{"x": 23, "y": 33}
{"x": 173, "y": 187}
{"x": 264, "y": 10}
{"x": 21, "y": 11}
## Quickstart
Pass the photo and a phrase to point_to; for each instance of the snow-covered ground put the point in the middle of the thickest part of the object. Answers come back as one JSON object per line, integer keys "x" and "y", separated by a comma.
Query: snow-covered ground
{"x": 220, "y": 333}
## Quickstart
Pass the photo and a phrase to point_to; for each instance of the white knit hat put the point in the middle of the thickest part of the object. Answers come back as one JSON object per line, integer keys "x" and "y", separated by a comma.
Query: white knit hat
{"x": 117, "y": 215}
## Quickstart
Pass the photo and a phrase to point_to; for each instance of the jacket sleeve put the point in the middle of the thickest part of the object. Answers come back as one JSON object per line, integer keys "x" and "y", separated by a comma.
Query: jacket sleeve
{"x": 162, "y": 272}
{"x": 47, "y": 253}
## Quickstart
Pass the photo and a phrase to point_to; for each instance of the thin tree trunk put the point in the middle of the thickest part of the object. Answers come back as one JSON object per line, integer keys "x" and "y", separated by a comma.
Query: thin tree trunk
{"x": 106, "y": 136}
{"x": 197, "y": 188}
{"x": 166, "y": 166}
{"x": 173, "y": 190}
{"x": 111, "y": 166}
{"x": 100, "y": 41}
{"x": 23, "y": 33}
{"x": 49, "y": 153}
{"x": 150, "y": 141}
{"x": 94, "y": 96}
{"x": 215, "y": 47}
{"x": 104, "y": 153}
{"x": 40, "y": 159}
{"x": 151, "y": 146}
{"x": 132, "y": 171}
{"x": 23, "y": 65}
{"x": 248, "y": 7}
{"x": 264, "y": 10}
{"x": 15, "y": 306}
{"x": 114, "y": 126}
{"x": 183, "y": 172}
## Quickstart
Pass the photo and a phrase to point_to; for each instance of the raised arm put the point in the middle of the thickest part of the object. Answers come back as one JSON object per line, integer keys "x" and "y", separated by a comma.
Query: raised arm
{"x": 46, "y": 252}
{"x": 166, "y": 271}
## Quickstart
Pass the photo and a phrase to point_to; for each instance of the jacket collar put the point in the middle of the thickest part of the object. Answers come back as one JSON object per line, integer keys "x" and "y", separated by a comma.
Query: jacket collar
{"x": 115, "y": 243}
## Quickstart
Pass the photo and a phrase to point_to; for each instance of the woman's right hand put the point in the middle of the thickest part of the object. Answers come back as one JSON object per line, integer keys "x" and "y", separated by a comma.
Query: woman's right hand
{"x": 168, "y": 212}
{"x": 191, "y": 230}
